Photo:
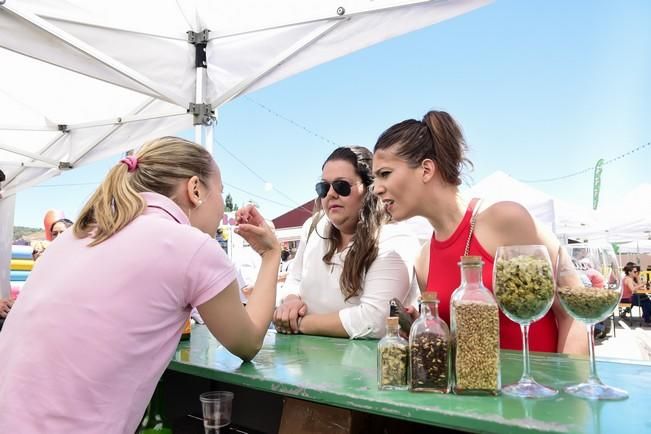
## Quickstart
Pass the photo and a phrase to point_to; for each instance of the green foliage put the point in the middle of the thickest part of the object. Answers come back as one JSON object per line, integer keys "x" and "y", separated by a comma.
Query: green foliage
{"x": 228, "y": 203}
{"x": 21, "y": 231}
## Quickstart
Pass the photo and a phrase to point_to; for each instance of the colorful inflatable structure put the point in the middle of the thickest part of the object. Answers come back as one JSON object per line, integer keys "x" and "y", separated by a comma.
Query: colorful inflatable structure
{"x": 21, "y": 266}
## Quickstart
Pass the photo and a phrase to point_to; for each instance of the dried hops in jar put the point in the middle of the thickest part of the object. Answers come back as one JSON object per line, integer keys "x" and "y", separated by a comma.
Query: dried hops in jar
{"x": 477, "y": 347}
{"x": 475, "y": 333}
{"x": 429, "y": 344}
{"x": 392, "y": 358}
{"x": 429, "y": 362}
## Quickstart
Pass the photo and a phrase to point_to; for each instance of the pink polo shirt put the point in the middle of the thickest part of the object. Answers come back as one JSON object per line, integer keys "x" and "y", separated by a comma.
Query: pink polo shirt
{"x": 95, "y": 327}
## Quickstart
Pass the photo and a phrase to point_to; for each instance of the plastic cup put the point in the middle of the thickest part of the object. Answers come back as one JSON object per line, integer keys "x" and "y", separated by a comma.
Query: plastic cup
{"x": 217, "y": 407}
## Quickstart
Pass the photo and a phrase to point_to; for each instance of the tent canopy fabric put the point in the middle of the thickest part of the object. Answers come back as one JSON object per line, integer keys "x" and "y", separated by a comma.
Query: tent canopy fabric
{"x": 87, "y": 79}
{"x": 127, "y": 77}
{"x": 630, "y": 219}
{"x": 639, "y": 246}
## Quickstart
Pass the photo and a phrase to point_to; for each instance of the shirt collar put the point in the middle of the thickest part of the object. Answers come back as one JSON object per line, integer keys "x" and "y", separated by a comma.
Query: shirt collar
{"x": 157, "y": 203}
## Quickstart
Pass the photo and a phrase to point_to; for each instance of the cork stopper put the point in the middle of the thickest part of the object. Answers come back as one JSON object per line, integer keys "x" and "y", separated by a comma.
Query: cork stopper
{"x": 471, "y": 260}
{"x": 392, "y": 321}
{"x": 429, "y": 297}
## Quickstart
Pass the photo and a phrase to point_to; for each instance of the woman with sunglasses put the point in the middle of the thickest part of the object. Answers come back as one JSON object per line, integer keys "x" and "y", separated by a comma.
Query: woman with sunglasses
{"x": 630, "y": 285}
{"x": 417, "y": 168}
{"x": 349, "y": 263}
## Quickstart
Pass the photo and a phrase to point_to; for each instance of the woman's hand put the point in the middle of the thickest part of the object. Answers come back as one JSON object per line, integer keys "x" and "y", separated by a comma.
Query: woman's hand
{"x": 414, "y": 314}
{"x": 288, "y": 315}
{"x": 253, "y": 228}
{"x": 5, "y": 307}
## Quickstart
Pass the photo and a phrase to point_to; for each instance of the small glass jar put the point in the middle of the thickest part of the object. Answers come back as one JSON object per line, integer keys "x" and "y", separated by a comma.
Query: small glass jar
{"x": 429, "y": 347}
{"x": 392, "y": 358}
{"x": 474, "y": 320}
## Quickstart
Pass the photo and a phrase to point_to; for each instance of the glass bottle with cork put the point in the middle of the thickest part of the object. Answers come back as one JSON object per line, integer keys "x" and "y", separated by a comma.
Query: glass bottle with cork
{"x": 474, "y": 320}
{"x": 429, "y": 345}
{"x": 392, "y": 358}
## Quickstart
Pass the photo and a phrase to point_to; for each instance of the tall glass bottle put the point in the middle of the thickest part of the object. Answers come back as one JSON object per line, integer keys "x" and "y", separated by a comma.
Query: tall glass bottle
{"x": 154, "y": 422}
{"x": 474, "y": 318}
{"x": 429, "y": 346}
{"x": 392, "y": 358}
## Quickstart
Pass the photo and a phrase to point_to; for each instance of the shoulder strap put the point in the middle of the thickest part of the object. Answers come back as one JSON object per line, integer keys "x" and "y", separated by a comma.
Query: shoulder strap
{"x": 473, "y": 220}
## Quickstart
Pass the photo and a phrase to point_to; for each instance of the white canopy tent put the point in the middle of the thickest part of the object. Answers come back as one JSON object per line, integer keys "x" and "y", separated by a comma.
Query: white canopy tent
{"x": 630, "y": 218}
{"x": 564, "y": 219}
{"x": 83, "y": 80}
{"x": 634, "y": 247}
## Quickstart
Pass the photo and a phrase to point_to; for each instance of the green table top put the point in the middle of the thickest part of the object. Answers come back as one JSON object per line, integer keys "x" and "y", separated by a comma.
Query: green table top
{"x": 342, "y": 373}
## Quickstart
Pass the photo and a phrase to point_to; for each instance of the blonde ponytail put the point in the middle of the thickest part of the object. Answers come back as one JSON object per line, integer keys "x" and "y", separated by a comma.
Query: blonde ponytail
{"x": 162, "y": 164}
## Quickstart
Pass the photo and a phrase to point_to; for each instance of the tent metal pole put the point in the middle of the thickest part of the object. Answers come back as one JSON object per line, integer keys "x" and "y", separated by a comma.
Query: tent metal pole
{"x": 198, "y": 98}
{"x": 7, "y": 210}
{"x": 202, "y": 112}
{"x": 112, "y": 131}
{"x": 45, "y": 149}
{"x": 32, "y": 182}
{"x": 33, "y": 156}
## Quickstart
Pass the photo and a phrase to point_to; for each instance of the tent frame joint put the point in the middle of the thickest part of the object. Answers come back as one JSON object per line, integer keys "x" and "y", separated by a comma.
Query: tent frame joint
{"x": 65, "y": 165}
{"x": 64, "y": 128}
{"x": 203, "y": 114}
{"x": 200, "y": 41}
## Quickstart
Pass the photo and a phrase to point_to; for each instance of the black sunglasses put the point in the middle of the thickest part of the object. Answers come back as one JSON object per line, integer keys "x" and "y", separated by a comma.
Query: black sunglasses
{"x": 342, "y": 188}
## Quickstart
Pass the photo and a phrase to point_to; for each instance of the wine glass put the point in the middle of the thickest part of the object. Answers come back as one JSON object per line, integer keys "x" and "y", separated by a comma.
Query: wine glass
{"x": 589, "y": 290}
{"x": 523, "y": 283}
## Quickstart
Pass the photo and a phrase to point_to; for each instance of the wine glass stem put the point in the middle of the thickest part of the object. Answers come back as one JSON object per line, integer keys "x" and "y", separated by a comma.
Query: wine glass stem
{"x": 526, "y": 374}
{"x": 592, "y": 378}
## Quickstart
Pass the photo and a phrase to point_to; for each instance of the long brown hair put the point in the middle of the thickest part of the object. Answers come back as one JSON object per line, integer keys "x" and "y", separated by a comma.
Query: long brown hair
{"x": 365, "y": 246}
{"x": 436, "y": 137}
{"x": 162, "y": 164}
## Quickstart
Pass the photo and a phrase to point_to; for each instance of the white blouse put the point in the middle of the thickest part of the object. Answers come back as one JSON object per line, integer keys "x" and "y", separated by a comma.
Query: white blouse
{"x": 390, "y": 275}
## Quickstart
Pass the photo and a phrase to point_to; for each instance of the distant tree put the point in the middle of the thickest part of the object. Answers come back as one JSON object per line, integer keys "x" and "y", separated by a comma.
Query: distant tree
{"x": 228, "y": 203}
{"x": 21, "y": 231}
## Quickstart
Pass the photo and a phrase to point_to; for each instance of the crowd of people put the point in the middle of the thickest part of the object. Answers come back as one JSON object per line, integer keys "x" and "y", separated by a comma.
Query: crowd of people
{"x": 355, "y": 255}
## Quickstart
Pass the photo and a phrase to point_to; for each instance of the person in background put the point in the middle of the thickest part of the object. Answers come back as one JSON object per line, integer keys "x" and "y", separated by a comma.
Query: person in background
{"x": 59, "y": 226}
{"x": 38, "y": 248}
{"x": 83, "y": 354}
{"x": 630, "y": 285}
{"x": 5, "y": 307}
{"x": 349, "y": 262}
{"x": 418, "y": 165}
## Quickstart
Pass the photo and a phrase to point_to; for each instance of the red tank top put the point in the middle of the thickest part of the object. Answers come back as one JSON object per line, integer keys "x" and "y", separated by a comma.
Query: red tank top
{"x": 445, "y": 276}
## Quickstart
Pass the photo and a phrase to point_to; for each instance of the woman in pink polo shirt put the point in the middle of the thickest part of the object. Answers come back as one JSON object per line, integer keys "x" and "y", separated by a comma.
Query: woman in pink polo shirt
{"x": 102, "y": 312}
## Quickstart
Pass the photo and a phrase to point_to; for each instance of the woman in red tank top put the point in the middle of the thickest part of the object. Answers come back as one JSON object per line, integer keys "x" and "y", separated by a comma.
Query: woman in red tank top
{"x": 417, "y": 167}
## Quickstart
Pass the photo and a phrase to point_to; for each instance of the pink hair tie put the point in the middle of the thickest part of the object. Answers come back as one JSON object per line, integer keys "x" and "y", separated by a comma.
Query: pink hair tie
{"x": 131, "y": 161}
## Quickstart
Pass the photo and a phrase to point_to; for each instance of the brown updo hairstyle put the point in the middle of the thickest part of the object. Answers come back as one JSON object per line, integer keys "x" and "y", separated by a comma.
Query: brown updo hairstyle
{"x": 437, "y": 137}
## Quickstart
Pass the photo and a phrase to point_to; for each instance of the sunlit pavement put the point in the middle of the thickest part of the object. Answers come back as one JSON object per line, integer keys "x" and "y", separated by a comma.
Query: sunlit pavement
{"x": 632, "y": 343}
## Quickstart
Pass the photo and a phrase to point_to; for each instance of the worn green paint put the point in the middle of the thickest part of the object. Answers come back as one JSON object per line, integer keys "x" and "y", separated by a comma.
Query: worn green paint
{"x": 342, "y": 373}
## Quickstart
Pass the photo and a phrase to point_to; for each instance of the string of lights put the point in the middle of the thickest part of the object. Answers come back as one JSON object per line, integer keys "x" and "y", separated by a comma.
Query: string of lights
{"x": 589, "y": 169}
{"x": 293, "y": 122}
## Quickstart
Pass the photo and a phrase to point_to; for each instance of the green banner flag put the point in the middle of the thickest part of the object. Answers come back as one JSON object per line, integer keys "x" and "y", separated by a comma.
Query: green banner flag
{"x": 596, "y": 186}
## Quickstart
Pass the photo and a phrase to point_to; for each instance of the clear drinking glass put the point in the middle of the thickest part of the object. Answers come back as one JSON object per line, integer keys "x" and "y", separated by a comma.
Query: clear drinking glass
{"x": 589, "y": 290}
{"x": 523, "y": 283}
{"x": 217, "y": 407}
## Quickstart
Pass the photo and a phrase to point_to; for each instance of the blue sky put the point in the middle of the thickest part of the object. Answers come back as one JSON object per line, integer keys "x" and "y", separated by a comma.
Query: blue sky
{"x": 542, "y": 89}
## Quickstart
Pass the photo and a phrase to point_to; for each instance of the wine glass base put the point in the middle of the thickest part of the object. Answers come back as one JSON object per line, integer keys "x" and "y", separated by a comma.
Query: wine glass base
{"x": 529, "y": 389}
{"x": 596, "y": 391}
